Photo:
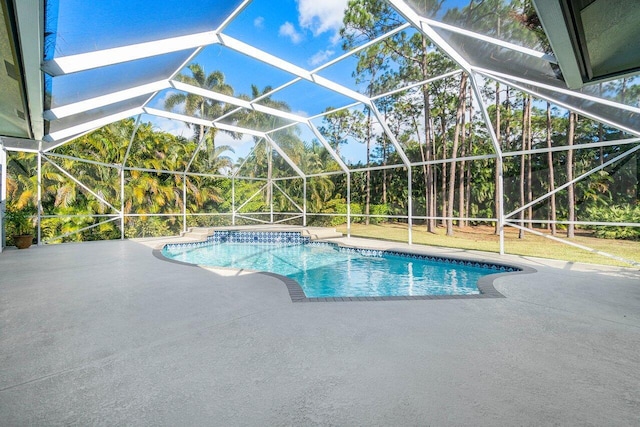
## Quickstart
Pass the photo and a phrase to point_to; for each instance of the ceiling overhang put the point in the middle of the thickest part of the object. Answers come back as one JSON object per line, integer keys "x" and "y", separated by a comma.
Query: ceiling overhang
{"x": 593, "y": 40}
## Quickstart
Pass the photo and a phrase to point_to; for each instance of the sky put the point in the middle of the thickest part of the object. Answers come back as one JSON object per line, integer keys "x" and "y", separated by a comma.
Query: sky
{"x": 303, "y": 32}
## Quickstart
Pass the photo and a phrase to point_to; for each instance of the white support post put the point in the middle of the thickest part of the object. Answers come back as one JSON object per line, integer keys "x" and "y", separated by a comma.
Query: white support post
{"x": 348, "y": 204}
{"x": 3, "y": 195}
{"x": 304, "y": 202}
{"x": 184, "y": 202}
{"x": 410, "y": 205}
{"x": 270, "y": 180}
{"x": 122, "y": 202}
{"x": 233, "y": 200}
{"x": 39, "y": 178}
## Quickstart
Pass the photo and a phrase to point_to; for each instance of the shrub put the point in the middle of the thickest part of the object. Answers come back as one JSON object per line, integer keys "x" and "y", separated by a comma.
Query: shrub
{"x": 616, "y": 213}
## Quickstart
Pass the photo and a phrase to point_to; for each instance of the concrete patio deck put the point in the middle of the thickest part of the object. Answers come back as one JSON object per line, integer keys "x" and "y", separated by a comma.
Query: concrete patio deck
{"x": 105, "y": 333}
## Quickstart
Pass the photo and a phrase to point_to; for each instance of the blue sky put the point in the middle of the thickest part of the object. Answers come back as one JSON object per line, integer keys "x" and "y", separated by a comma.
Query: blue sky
{"x": 302, "y": 32}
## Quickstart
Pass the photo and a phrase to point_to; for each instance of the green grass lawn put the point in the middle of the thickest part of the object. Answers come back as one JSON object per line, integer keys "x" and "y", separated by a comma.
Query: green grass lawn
{"x": 482, "y": 238}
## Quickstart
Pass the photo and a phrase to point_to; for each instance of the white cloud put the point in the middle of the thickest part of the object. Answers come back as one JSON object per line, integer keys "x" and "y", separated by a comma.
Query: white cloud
{"x": 288, "y": 30}
{"x": 259, "y": 22}
{"x": 301, "y": 113}
{"x": 175, "y": 127}
{"x": 241, "y": 147}
{"x": 223, "y": 138}
{"x": 321, "y": 16}
{"x": 320, "y": 57}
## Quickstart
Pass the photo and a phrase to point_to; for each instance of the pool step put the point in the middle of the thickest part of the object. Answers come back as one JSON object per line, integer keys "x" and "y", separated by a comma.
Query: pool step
{"x": 321, "y": 233}
{"x": 198, "y": 233}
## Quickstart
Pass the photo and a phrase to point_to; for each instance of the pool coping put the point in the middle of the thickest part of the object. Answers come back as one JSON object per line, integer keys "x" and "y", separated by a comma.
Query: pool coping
{"x": 296, "y": 293}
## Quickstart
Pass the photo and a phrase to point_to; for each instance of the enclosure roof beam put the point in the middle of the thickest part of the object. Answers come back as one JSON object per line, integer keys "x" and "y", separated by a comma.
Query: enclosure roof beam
{"x": 202, "y": 122}
{"x": 116, "y": 55}
{"x": 101, "y": 101}
{"x": 232, "y": 16}
{"x": 574, "y": 93}
{"x": 235, "y": 101}
{"x": 328, "y": 147}
{"x": 195, "y": 152}
{"x": 418, "y": 22}
{"x": 246, "y": 158}
{"x": 277, "y": 62}
{"x": 90, "y": 125}
{"x": 391, "y": 136}
{"x": 285, "y": 156}
{"x": 531, "y": 52}
{"x": 507, "y": 81}
{"x": 362, "y": 47}
{"x": 599, "y": 144}
{"x": 421, "y": 83}
{"x": 485, "y": 114}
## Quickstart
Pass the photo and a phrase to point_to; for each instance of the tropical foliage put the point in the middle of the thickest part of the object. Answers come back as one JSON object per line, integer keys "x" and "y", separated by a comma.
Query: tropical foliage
{"x": 439, "y": 125}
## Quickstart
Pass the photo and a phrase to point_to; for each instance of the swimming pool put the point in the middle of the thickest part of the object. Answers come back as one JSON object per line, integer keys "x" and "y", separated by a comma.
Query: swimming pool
{"x": 328, "y": 270}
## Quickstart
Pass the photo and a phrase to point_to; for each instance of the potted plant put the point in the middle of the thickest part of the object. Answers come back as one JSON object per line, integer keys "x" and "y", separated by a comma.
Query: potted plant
{"x": 20, "y": 223}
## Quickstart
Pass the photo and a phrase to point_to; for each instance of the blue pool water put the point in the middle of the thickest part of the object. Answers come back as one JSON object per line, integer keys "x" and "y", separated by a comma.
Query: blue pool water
{"x": 325, "y": 270}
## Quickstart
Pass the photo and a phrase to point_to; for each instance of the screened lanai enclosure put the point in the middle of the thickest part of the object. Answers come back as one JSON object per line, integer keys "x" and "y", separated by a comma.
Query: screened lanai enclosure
{"x": 515, "y": 119}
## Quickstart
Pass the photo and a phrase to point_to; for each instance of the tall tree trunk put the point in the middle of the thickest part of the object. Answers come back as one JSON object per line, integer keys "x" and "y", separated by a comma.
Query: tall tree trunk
{"x": 425, "y": 171}
{"x": 525, "y": 101}
{"x": 454, "y": 153}
{"x": 201, "y": 127}
{"x": 469, "y": 151}
{"x": 600, "y": 130}
{"x": 443, "y": 169}
{"x": 462, "y": 169}
{"x": 467, "y": 187}
{"x": 552, "y": 184}
{"x": 384, "y": 162}
{"x": 432, "y": 175}
{"x": 570, "y": 189}
{"x": 428, "y": 141}
{"x": 384, "y": 171}
{"x": 496, "y": 171}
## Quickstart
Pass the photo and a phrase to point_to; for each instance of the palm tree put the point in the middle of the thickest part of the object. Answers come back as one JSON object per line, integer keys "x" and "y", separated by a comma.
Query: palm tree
{"x": 200, "y": 106}
{"x": 256, "y": 120}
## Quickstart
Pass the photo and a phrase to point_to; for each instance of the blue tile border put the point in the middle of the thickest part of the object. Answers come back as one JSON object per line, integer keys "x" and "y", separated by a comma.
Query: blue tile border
{"x": 296, "y": 293}
{"x": 252, "y": 237}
